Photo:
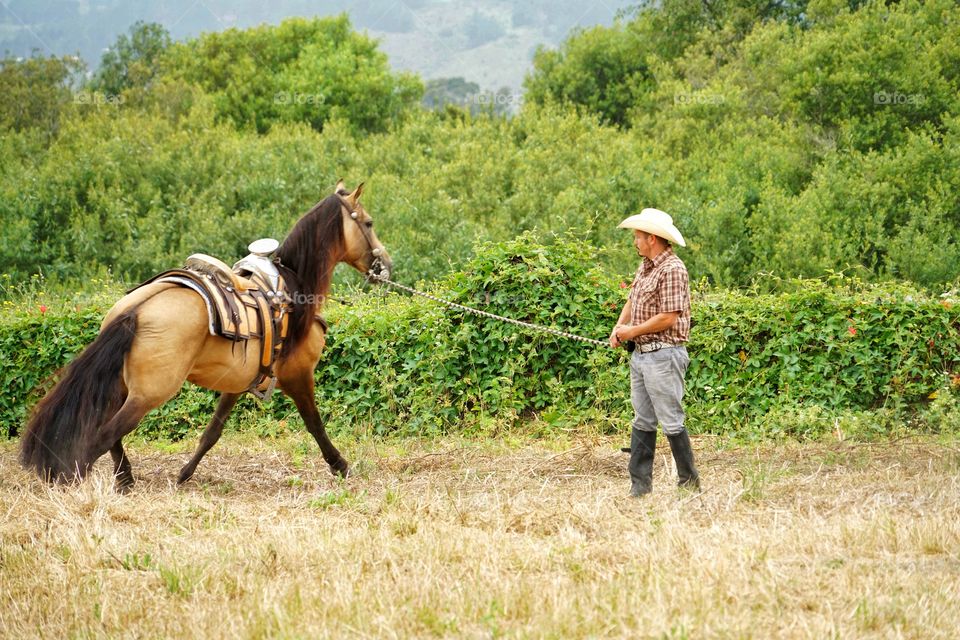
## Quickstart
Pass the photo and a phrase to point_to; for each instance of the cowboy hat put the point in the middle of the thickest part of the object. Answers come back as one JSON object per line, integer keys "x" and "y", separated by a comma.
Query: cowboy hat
{"x": 655, "y": 222}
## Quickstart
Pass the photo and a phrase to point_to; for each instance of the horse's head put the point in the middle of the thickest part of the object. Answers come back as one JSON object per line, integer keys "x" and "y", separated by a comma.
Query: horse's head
{"x": 364, "y": 252}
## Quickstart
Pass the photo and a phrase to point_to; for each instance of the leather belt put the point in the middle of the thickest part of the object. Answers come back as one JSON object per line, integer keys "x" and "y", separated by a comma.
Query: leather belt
{"x": 649, "y": 347}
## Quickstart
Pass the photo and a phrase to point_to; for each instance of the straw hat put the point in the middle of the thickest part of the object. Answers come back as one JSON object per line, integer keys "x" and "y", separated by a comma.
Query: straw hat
{"x": 656, "y": 222}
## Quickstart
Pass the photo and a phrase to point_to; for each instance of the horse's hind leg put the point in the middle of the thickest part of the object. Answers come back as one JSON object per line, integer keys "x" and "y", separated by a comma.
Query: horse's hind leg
{"x": 109, "y": 436}
{"x": 210, "y": 435}
{"x": 122, "y": 471}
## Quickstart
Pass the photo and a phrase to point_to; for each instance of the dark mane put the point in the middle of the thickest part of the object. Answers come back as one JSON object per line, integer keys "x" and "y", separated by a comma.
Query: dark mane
{"x": 307, "y": 258}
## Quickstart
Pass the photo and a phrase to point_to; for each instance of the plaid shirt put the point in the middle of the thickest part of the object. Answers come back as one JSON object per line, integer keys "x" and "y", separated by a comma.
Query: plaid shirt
{"x": 660, "y": 286}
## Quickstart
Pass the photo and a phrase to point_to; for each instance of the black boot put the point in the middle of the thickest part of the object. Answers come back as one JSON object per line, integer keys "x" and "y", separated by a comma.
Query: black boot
{"x": 683, "y": 456}
{"x": 642, "y": 446}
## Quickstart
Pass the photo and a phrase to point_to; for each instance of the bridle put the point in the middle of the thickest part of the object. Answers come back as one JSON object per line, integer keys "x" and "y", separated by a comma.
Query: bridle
{"x": 378, "y": 271}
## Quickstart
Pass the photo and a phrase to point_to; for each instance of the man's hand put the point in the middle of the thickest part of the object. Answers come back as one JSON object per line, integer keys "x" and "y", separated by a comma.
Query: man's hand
{"x": 617, "y": 336}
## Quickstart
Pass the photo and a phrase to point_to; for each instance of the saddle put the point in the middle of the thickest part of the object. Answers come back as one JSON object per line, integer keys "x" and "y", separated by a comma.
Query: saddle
{"x": 250, "y": 300}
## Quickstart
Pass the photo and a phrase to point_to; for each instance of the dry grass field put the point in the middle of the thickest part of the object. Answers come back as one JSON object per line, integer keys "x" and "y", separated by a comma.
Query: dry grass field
{"x": 487, "y": 538}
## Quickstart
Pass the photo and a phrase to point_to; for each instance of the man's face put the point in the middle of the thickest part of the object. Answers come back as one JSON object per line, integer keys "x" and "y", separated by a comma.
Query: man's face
{"x": 643, "y": 242}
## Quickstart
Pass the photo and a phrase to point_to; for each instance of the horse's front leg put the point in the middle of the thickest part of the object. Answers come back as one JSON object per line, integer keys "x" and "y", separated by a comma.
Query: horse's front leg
{"x": 210, "y": 435}
{"x": 300, "y": 390}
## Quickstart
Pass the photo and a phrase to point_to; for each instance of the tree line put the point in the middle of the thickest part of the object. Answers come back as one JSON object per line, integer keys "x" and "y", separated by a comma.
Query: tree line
{"x": 793, "y": 138}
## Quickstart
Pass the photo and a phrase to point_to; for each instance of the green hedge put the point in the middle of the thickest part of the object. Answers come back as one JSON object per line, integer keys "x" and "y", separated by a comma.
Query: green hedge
{"x": 820, "y": 356}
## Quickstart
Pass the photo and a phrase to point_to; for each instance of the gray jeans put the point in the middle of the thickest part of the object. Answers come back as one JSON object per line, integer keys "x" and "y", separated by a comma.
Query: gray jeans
{"x": 656, "y": 389}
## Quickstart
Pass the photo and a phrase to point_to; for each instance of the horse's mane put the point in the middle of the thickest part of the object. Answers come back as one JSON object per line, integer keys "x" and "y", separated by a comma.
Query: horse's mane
{"x": 309, "y": 254}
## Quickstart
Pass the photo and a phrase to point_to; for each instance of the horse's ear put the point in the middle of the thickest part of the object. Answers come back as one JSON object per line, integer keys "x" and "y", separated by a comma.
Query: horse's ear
{"x": 340, "y": 186}
{"x": 355, "y": 196}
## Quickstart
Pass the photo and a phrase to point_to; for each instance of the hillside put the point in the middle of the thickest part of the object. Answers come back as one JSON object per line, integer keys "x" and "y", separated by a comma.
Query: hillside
{"x": 490, "y": 42}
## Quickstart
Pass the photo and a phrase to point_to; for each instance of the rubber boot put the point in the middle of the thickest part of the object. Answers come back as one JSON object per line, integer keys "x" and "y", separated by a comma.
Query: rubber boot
{"x": 683, "y": 456}
{"x": 642, "y": 446}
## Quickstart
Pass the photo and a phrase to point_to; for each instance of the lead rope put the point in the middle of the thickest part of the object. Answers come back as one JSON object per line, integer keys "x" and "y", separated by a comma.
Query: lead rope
{"x": 382, "y": 275}
{"x": 486, "y": 314}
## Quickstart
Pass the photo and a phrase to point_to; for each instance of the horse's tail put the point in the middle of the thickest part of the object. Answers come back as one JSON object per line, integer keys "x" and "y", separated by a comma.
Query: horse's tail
{"x": 64, "y": 422}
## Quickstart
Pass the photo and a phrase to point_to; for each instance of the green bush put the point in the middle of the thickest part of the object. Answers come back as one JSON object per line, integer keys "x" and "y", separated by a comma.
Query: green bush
{"x": 35, "y": 345}
{"x": 410, "y": 365}
{"x": 823, "y": 356}
{"x": 837, "y": 345}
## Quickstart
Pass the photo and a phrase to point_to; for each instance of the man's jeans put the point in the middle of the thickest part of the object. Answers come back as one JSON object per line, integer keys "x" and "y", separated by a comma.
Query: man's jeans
{"x": 656, "y": 389}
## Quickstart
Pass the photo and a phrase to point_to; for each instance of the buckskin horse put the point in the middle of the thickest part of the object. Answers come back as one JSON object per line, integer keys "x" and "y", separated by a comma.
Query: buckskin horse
{"x": 156, "y": 337}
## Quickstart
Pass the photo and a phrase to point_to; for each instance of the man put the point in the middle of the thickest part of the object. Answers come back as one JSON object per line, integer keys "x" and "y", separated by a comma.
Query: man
{"x": 656, "y": 319}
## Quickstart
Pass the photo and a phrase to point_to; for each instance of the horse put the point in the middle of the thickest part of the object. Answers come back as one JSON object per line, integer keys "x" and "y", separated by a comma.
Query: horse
{"x": 156, "y": 337}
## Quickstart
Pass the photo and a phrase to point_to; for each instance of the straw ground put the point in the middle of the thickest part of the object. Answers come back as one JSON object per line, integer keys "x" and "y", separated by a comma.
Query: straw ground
{"x": 489, "y": 538}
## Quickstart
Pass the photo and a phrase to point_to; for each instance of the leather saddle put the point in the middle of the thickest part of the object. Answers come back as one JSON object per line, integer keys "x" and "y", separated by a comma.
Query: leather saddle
{"x": 250, "y": 300}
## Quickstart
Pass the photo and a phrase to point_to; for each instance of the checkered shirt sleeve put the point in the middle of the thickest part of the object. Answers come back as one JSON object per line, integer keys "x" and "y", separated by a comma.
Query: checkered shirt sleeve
{"x": 674, "y": 289}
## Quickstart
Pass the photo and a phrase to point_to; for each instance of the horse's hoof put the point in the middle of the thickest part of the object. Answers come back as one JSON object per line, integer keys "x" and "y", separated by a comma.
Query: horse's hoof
{"x": 340, "y": 469}
{"x": 124, "y": 484}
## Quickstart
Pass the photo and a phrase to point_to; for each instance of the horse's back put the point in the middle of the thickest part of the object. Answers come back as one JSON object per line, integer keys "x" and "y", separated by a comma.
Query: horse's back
{"x": 133, "y": 299}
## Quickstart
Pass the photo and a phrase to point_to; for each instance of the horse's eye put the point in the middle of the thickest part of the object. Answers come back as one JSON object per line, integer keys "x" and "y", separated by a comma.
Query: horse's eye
{"x": 369, "y": 224}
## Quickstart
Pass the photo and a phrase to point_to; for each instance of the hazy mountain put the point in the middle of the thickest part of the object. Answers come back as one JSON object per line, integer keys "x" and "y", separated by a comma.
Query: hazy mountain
{"x": 489, "y": 42}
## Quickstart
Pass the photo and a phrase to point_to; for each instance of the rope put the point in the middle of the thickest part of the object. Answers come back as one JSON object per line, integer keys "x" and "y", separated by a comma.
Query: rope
{"x": 487, "y": 314}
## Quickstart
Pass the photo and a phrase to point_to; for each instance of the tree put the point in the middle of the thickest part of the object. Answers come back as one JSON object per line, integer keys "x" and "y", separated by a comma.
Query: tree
{"x": 443, "y": 91}
{"x": 35, "y": 91}
{"x": 603, "y": 69}
{"x": 133, "y": 61}
{"x": 298, "y": 71}
{"x": 609, "y": 70}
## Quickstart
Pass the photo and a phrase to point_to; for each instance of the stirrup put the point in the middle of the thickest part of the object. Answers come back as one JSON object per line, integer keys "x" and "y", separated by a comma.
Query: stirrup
{"x": 267, "y": 392}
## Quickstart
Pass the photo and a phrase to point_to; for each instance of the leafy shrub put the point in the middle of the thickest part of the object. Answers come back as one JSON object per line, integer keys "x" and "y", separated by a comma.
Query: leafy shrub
{"x": 34, "y": 346}
{"x": 411, "y": 365}
{"x": 836, "y": 344}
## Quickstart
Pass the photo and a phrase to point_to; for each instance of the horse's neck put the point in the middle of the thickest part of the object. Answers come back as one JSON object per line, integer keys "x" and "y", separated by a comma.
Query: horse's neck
{"x": 323, "y": 283}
